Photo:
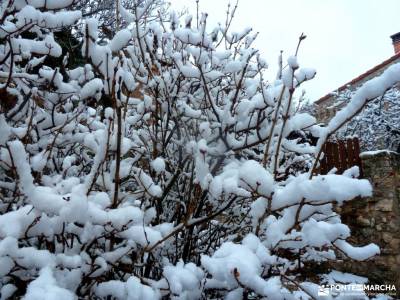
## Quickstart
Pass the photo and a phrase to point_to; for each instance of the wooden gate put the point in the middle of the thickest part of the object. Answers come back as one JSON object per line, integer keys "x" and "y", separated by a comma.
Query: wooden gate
{"x": 341, "y": 155}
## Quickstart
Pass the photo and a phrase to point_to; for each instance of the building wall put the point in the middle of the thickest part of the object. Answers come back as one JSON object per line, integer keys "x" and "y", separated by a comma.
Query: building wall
{"x": 377, "y": 220}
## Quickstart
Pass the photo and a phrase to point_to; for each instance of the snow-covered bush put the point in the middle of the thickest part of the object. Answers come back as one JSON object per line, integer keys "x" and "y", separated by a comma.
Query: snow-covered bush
{"x": 163, "y": 166}
{"x": 378, "y": 124}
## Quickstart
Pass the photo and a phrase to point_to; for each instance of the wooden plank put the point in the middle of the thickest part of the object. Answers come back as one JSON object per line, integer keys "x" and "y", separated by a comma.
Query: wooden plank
{"x": 343, "y": 156}
{"x": 323, "y": 162}
{"x": 336, "y": 161}
{"x": 332, "y": 156}
{"x": 328, "y": 156}
{"x": 350, "y": 153}
{"x": 356, "y": 145}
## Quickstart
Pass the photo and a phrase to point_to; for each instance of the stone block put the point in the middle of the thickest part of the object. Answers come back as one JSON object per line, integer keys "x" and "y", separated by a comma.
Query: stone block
{"x": 363, "y": 221}
{"x": 386, "y": 237}
{"x": 384, "y": 205}
{"x": 398, "y": 260}
{"x": 395, "y": 245}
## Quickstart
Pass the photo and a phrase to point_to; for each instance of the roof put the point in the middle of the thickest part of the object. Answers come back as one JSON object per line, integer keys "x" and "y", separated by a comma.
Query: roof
{"x": 361, "y": 77}
{"x": 395, "y": 37}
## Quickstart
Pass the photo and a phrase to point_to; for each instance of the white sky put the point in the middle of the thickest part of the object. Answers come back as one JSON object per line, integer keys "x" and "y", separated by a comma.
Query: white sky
{"x": 344, "y": 37}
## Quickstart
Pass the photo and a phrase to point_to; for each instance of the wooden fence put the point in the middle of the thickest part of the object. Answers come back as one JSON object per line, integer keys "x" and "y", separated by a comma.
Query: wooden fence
{"x": 341, "y": 155}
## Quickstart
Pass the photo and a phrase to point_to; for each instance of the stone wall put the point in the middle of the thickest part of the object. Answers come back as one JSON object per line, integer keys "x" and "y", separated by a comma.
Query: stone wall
{"x": 377, "y": 219}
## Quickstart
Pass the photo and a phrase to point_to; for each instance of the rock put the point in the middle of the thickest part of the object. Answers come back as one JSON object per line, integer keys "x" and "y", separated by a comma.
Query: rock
{"x": 398, "y": 259}
{"x": 363, "y": 221}
{"x": 384, "y": 205}
{"x": 386, "y": 237}
{"x": 394, "y": 244}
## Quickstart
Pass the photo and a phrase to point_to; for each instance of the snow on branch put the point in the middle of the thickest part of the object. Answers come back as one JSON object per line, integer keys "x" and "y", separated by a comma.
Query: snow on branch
{"x": 144, "y": 156}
